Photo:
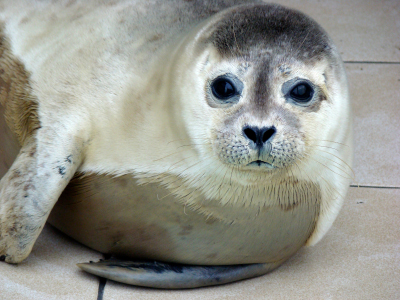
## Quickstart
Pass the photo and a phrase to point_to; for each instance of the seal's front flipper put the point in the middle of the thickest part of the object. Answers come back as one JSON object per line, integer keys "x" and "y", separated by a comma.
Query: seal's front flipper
{"x": 28, "y": 191}
{"x": 174, "y": 276}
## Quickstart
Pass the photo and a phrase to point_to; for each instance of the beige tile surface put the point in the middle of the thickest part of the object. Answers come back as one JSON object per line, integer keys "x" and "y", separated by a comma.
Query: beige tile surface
{"x": 363, "y": 30}
{"x": 50, "y": 272}
{"x": 375, "y": 91}
{"x": 358, "y": 259}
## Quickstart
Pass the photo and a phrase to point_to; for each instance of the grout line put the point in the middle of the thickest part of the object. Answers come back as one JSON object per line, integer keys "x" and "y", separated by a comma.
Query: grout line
{"x": 102, "y": 281}
{"x": 373, "y": 62}
{"x": 102, "y": 285}
{"x": 375, "y": 187}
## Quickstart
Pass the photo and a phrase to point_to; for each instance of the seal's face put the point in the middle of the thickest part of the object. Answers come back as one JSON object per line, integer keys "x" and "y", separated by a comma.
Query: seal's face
{"x": 258, "y": 132}
{"x": 265, "y": 91}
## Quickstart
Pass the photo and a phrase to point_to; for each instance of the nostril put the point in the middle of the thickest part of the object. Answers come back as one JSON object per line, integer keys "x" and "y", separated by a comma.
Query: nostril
{"x": 259, "y": 136}
{"x": 268, "y": 134}
{"x": 251, "y": 134}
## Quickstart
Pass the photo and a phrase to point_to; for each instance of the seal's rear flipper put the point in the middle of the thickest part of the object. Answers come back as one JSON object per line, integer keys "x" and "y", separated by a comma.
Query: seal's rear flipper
{"x": 174, "y": 276}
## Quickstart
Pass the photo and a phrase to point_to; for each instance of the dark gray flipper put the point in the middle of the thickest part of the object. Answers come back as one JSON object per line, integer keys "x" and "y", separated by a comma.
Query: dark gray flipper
{"x": 174, "y": 276}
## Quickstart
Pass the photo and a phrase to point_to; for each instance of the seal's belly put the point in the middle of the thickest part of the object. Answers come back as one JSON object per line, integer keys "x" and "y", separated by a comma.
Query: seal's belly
{"x": 115, "y": 215}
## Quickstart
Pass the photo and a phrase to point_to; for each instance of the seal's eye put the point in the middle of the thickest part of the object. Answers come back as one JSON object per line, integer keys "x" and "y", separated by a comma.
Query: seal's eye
{"x": 302, "y": 92}
{"x": 223, "y": 88}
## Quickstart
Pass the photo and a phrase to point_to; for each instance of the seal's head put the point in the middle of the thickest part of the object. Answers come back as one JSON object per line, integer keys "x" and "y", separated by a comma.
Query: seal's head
{"x": 265, "y": 94}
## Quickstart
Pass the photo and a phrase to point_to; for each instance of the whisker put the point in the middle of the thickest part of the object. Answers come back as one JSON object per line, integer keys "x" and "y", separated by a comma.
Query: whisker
{"x": 230, "y": 179}
{"x": 330, "y": 186}
{"x": 327, "y": 183}
{"x": 191, "y": 166}
{"x": 179, "y": 161}
{"x": 234, "y": 36}
{"x": 305, "y": 38}
{"x": 328, "y": 167}
{"x": 189, "y": 145}
{"x": 177, "y": 152}
{"x": 222, "y": 182}
{"x": 179, "y": 177}
{"x": 350, "y": 168}
{"x": 334, "y": 164}
{"x": 312, "y": 181}
{"x": 173, "y": 141}
{"x": 327, "y": 147}
{"x": 329, "y": 142}
{"x": 171, "y": 155}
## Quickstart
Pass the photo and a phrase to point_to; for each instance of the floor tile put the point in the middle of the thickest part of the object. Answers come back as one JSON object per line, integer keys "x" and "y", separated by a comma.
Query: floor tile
{"x": 50, "y": 272}
{"x": 358, "y": 259}
{"x": 375, "y": 91}
{"x": 362, "y": 30}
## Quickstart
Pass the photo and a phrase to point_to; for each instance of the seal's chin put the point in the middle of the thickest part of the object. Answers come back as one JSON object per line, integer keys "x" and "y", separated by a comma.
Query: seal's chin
{"x": 260, "y": 165}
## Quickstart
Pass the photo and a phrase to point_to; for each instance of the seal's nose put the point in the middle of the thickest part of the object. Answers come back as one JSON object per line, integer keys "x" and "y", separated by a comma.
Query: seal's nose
{"x": 259, "y": 136}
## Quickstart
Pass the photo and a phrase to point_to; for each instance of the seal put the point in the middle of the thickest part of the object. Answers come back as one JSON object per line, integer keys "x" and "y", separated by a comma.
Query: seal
{"x": 211, "y": 139}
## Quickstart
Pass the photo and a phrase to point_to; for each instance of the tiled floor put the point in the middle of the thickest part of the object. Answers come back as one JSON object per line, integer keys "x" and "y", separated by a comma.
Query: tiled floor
{"x": 359, "y": 258}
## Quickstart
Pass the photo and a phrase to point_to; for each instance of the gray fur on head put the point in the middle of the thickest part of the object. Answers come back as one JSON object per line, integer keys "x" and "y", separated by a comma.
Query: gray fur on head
{"x": 270, "y": 27}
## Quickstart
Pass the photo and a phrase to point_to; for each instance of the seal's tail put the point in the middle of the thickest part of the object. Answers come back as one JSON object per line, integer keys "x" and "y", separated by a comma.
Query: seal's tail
{"x": 174, "y": 276}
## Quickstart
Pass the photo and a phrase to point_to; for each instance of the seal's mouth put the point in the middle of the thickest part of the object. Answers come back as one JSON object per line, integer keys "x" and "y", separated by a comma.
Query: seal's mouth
{"x": 260, "y": 164}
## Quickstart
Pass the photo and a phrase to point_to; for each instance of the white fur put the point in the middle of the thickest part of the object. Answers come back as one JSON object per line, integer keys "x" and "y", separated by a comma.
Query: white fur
{"x": 131, "y": 106}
